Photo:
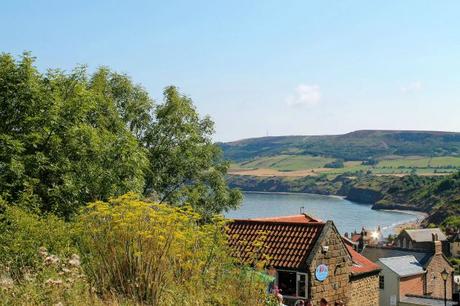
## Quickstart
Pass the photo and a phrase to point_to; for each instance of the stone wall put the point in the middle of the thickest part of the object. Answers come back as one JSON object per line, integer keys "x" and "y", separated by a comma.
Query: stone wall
{"x": 434, "y": 282}
{"x": 364, "y": 291}
{"x": 336, "y": 286}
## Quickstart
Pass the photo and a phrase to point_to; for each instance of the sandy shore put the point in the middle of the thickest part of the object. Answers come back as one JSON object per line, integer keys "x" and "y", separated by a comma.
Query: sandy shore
{"x": 411, "y": 224}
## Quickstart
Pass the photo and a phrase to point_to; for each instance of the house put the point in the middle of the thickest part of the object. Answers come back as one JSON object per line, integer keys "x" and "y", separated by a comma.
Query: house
{"x": 373, "y": 253}
{"x": 400, "y": 276}
{"x": 402, "y": 283}
{"x": 310, "y": 258}
{"x": 366, "y": 237}
{"x": 427, "y": 285}
{"x": 454, "y": 245}
{"x": 420, "y": 239}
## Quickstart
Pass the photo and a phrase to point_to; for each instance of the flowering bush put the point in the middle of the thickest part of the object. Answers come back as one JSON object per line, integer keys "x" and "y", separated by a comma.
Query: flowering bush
{"x": 161, "y": 255}
{"x": 121, "y": 252}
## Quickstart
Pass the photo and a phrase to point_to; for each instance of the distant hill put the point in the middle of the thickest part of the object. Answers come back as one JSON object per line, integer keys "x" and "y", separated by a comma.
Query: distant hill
{"x": 358, "y": 145}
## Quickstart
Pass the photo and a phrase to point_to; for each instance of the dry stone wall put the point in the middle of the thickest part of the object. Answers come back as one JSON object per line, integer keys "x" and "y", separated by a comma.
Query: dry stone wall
{"x": 364, "y": 291}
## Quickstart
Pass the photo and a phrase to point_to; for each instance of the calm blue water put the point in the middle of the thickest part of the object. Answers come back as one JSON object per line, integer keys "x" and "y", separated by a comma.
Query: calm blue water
{"x": 346, "y": 215}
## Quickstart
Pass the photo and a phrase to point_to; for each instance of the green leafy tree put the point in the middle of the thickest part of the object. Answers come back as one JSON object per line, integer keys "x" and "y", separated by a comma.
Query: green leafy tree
{"x": 70, "y": 138}
{"x": 63, "y": 142}
{"x": 132, "y": 101}
{"x": 185, "y": 165}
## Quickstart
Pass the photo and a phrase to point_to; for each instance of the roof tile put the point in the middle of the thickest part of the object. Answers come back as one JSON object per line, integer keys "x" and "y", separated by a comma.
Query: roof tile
{"x": 280, "y": 243}
{"x": 360, "y": 263}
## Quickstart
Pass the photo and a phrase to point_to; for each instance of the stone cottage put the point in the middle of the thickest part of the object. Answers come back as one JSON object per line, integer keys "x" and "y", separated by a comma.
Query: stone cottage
{"x": 311, "y": 259}
{"x": 431, "y": 262}
{"x": 420, "y": 239}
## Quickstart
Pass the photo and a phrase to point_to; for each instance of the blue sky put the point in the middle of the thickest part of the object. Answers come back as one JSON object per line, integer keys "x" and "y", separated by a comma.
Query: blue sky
{"x": 264, "y": 67}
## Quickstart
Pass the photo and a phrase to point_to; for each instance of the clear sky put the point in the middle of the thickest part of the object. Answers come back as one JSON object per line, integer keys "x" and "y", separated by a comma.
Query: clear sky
{"x": 264, "y": 67}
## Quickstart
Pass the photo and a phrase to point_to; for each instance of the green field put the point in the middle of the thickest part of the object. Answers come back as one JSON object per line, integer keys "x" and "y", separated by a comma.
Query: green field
{"x": 396, "y": 165}
{"x": 421, "y": 162}
{"x": 287, "y": 162}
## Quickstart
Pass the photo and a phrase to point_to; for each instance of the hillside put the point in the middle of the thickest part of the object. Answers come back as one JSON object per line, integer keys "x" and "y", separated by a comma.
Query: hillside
{"x": 358, "y": 145}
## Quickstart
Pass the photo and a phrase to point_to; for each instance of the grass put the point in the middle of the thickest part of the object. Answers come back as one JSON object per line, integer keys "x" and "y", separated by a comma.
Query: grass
{"x": 287, "y": 162}
{"x": 421, "y": 162}
{"x": 389, "y": 165}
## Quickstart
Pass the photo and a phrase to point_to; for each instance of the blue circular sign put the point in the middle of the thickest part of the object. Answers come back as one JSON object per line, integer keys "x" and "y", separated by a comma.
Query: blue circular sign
{"x": 321, "y": 273}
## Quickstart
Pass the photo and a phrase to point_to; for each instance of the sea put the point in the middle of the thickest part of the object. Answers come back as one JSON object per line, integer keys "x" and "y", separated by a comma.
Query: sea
{"x": 347, "y": 216}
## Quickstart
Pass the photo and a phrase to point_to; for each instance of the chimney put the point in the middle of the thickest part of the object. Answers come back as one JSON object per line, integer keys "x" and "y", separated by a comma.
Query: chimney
{"x": 437, "y": 247}
{"x": 346, "y": 234}
{"x": 361, "y": 243}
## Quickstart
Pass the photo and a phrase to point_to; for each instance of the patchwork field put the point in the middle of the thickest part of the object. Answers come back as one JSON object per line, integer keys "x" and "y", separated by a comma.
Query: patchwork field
{"x": 287, "y": 162}
{"x": 421, "y": 162}
{"x": 301, "y": 165}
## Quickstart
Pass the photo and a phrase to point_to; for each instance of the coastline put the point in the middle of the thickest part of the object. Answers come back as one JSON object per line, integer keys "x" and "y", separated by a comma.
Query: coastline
{"x": 291, "y": 192}
{"x": 396, "y": 228}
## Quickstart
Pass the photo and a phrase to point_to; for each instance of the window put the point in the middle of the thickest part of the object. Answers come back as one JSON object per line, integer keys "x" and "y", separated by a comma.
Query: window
{"x": 302, "y": 285}
{"x": 293, "y": 284}
{"x": 287, "y": 283}
{"x": 381, "y": 282}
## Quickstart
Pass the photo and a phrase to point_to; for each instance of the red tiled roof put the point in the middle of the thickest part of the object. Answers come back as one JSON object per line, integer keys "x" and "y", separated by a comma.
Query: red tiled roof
{"x": 302, "y": 218}
{"x": 355, "y": 237}
{"x": 286, "y": 243}
{"x": 360, "y": 263}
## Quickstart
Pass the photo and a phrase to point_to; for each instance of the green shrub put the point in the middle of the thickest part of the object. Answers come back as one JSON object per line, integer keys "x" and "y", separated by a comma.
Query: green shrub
{"x": 23, "y": 233}
{"x": 335, "y": 164}
{"x": 56, "y": 280}
{"x": 452, "y": 221}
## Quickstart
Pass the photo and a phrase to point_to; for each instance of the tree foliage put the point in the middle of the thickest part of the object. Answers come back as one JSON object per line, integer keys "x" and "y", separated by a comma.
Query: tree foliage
{"x": 185, "y": 165}
{"x": 62, "y": 138}
{"x": 70, "y": 138}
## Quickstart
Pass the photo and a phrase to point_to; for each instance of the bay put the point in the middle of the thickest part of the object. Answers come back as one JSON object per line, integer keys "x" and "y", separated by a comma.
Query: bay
{"x": 346, "y": 215}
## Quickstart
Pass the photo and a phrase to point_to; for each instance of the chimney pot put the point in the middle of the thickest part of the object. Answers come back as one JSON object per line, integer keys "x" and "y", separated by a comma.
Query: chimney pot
{"x": 437, "y": 247}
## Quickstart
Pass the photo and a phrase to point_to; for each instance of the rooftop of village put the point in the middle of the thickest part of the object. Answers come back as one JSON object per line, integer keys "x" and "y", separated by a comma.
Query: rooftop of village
{"x": 296, "y": 246}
